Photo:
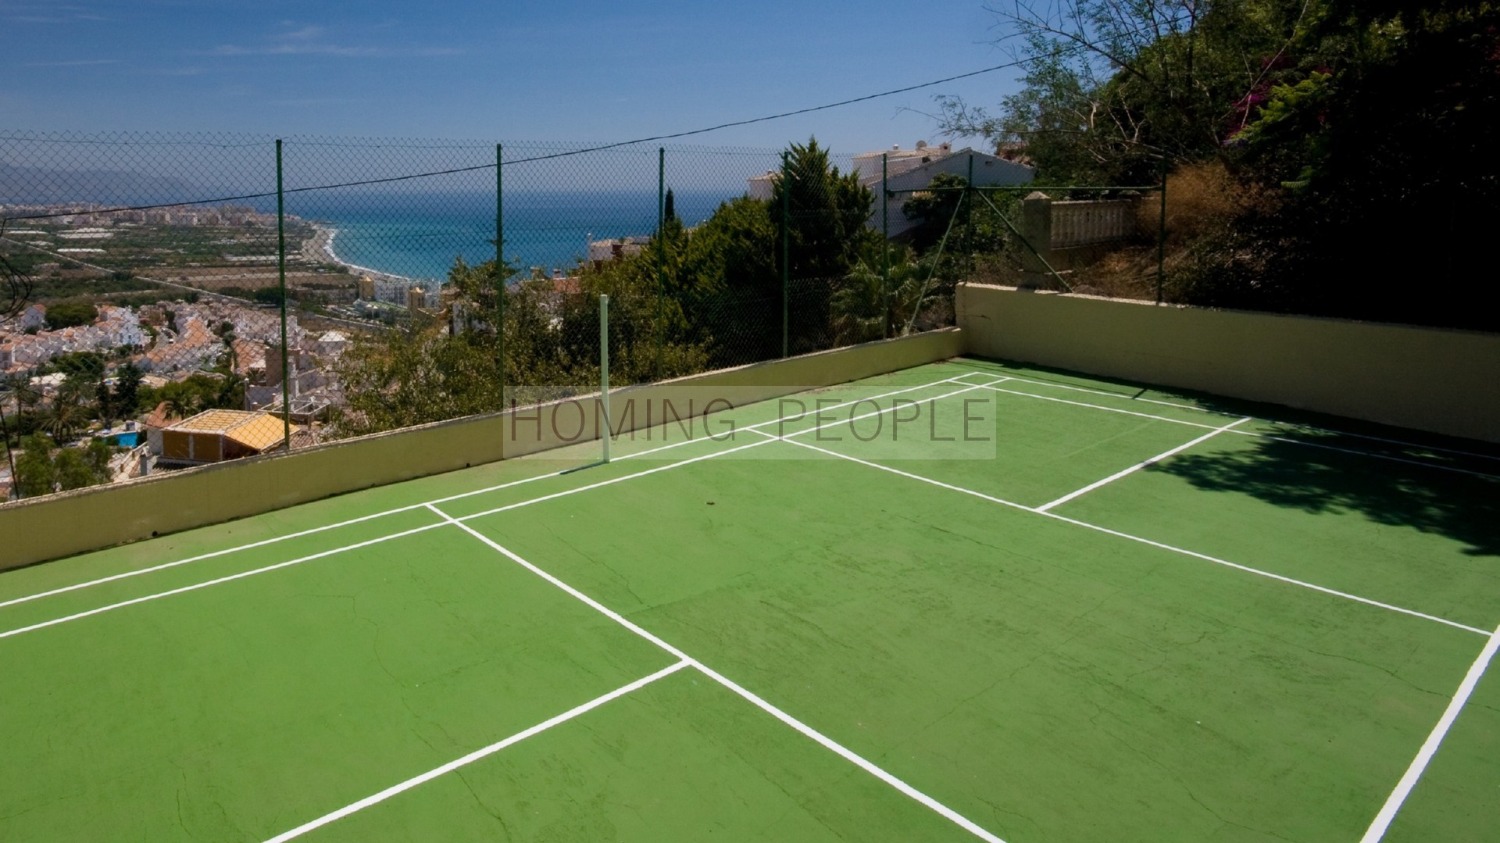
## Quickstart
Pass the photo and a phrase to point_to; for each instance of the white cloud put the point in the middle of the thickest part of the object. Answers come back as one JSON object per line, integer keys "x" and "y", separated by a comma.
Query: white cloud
{"x": 311, "y": 40}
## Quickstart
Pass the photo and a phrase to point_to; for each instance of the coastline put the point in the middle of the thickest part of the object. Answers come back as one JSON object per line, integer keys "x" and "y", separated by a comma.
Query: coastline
{"x": 319, "y": 249}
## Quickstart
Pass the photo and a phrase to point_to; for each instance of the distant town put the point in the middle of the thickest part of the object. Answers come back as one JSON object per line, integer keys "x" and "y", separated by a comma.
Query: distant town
{"x": 182, "y": 308}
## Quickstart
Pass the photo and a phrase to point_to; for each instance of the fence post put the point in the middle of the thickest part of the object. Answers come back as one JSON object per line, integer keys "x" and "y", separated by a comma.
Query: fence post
{"x": 286, "y": 402}
{"x": 501, "y": 276}
{"x": 885, "y": 244}
{"x": 786, "y": 253}
{"x": 1036, "y": 231}
{"x": 968, "y": 241}
{"x": 1161, "y": 239}
{"x": 661, "y": 253}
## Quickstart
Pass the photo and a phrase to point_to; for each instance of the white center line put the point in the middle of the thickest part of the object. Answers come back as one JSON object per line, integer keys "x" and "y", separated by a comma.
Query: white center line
{"x": 1138, "y": 466}
{"x": 823, "y": 740}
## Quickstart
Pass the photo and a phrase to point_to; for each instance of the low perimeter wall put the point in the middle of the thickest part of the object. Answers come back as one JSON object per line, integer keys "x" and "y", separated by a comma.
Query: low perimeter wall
{"x": 89, "y": 519}
{"x": 1423, "y": 378}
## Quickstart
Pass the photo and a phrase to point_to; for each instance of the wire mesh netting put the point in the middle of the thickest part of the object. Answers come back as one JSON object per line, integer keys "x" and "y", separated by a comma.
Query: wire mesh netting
{"x": 178, "y": 300}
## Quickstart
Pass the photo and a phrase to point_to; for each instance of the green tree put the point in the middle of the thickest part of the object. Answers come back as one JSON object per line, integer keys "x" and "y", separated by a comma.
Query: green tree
{"x": 1341, "y": 123}
{"x": 89, "y": 365}
{"x": 1114, "y": 92}
{"x": 78, "y": 468}
{"x": 69, "y": 411}
{"x": 35, "y": 473}
{"x": 822, "y": 211}
{"x": 866, "y": 307}
{"x": 68, "y": 314}
{"x": 730, "y": 285}
{"x": 127, "y": 398}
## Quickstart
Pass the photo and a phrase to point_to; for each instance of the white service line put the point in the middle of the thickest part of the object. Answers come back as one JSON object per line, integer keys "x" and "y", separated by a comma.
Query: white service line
{"x": 1138, "y": 466}
{"x": 402, "y": 787}
{"x": 1174, "y": 549}
{"x": 1430, "y": 746}
{"x": 326, "y": 527}
{"x": 1253, "y": 434}
{"x": 823, "y": 740}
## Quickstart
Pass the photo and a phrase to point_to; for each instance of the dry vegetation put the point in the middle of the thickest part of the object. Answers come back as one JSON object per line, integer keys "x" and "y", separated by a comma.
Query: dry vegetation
{"x": 1202, "y": 199}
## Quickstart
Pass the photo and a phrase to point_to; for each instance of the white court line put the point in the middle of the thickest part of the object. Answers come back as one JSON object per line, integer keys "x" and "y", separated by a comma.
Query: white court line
{"x": 1138, "y": 466}
{"x": 757, "y": 443}
{"x": 1307, "y": 427}
{"x": 823, "y": 740}
{"x": 414, "y": 781}
{"x": 196, "y": 586}
{"x": 324, "y": 528}
{"x": 1174, "y": 549}
{"x": 1430, "y": 746}
{"x": 366, "y": 543}
{"x": 432, "y": 506}
{"x": 1251, "y": 433}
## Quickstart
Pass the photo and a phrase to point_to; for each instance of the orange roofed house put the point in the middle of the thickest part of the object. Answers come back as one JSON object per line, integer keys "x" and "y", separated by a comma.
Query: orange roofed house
{"x": 218, "y": 435}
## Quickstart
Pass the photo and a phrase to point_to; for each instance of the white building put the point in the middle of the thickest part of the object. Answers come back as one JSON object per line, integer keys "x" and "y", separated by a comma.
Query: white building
{"x": 909, "y": 170}
{"x": 910, "y": 173}
{"x": 615, "y": 248}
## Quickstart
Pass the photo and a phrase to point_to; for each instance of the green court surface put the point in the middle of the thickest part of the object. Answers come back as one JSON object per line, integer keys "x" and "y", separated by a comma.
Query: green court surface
{"x": 1046, "y": 609}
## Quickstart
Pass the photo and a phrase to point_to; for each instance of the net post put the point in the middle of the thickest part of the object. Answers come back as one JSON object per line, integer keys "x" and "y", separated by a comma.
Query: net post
{"x": 605, "y": 423}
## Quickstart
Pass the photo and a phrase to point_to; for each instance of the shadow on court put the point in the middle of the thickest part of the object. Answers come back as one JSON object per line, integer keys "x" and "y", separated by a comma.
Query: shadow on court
{"x": 1286, "y": 472}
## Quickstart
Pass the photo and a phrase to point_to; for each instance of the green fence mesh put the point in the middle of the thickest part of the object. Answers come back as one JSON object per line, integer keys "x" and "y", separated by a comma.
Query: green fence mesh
{"x": 161, "y": 283}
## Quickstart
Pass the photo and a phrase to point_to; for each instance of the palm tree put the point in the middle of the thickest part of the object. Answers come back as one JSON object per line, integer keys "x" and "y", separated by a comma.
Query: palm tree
{"x": 866, "y": 308}
{"x": 67, "y": 414}
{"x": 180, "y": 406}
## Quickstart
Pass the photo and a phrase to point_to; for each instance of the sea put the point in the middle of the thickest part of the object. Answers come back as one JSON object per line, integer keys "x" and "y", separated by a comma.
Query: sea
{"x": 420, "y": 236}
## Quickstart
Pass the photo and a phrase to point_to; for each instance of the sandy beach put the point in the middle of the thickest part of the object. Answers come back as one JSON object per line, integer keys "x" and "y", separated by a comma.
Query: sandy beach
{"x": 319, "y": 249}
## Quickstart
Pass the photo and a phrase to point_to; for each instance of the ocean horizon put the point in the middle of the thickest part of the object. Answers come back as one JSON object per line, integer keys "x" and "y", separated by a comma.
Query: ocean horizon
{"x": 420, "y": 236}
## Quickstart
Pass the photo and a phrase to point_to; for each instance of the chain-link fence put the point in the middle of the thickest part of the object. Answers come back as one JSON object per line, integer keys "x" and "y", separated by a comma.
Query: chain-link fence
{"x": 179, "y": 300}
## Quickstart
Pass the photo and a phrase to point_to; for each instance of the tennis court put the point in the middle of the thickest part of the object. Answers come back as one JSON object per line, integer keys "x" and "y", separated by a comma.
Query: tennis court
{"x": 967, "y": 600}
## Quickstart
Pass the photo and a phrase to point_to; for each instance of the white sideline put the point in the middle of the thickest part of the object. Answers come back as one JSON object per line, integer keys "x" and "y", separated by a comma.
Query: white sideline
{"x": 1430, "y": 746}
{"x": 476, "y": 755}
{"x": 1174, "y": 549}
{"x": 324, "y": 528}
{"x": 1272, "y": 437}
{"x": 218, "y": 581}
{"x": 1197, "y": 409}
{"x": 432, "y": 506}
{"x": 1138, "y": 466}
{"x": 808, "y": 731}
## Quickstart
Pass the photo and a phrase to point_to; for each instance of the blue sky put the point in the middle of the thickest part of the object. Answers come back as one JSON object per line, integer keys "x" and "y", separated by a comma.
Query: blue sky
{"x": 565, "y": 70}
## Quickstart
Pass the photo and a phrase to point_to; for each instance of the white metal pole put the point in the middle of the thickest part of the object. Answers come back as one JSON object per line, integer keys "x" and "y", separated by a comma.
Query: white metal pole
{"x": 604, "y": 371}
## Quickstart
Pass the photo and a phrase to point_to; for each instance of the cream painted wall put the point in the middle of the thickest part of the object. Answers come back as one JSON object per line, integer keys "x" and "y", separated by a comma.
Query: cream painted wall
{"x": 1423, "y": 378}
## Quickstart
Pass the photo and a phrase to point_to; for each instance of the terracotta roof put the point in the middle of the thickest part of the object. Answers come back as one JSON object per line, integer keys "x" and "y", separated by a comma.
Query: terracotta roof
{"x": 253, "y": 430}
